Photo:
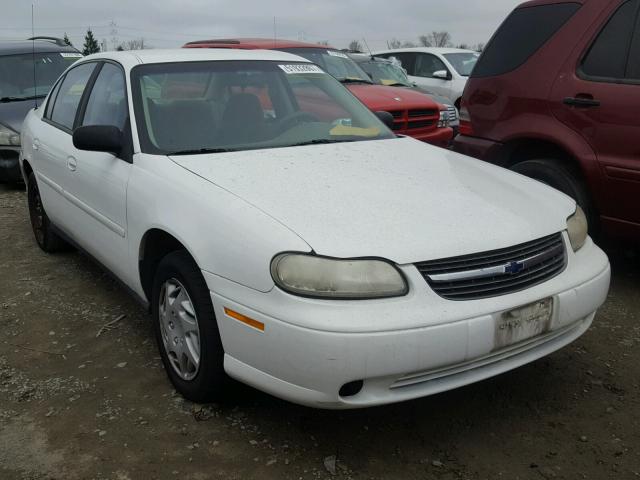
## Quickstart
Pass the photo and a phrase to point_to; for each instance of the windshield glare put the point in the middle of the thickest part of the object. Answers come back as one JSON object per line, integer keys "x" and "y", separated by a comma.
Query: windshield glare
{"x": 17, "y": 73}
{"x": 336, "y": 63}
{"x": 463, "y": 62}
{"x": 195, "y": 107}
{"x": 385, "y": 73}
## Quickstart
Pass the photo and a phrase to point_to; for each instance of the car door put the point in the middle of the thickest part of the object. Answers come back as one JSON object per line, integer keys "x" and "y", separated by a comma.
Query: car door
{"x": 52, "y": 140}
{"x": 97, "y": 181}
{"x": 426, "y": 65}
{"x": 598, "y": 97}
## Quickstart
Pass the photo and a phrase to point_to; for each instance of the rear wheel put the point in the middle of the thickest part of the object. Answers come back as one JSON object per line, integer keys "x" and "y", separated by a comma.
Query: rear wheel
{"x": 554, "y": 174}
{"x": 186, "y": 330}
{"x": 48, "y": 240}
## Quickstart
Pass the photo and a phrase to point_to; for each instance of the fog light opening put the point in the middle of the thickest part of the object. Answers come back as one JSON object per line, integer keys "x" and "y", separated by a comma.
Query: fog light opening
{"x": 352, "y": 388}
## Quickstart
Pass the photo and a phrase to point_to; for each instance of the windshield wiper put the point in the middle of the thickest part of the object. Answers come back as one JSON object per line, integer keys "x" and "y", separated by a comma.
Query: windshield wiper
{"x": 396, "y": 84}
{"x": 197, "y": 151}
{"x": 355, "y": 80}
{"x": 19, "y": 99}
{"x": 320, "y": 141}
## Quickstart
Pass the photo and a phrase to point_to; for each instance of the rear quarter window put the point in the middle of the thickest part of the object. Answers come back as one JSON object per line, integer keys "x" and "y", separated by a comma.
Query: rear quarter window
{"x": 521, "y": 35}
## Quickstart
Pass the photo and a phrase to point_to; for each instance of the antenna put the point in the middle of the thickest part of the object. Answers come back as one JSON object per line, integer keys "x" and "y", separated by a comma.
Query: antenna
{"x": 364, "y": 40}
{"x": 33, "y": 57}
{"x": 274, "y": 32}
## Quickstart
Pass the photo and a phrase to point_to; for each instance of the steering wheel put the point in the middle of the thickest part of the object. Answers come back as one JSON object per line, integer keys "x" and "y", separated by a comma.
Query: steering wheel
{"x": 295, "y": 118}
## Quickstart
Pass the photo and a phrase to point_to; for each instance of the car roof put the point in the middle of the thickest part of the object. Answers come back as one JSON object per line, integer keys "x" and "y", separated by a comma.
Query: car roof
{"x": 253, "y": 43}
{"x": 17, "y": 47}
{"x": 135, "y": 57}
{"x": 440, "y": 50}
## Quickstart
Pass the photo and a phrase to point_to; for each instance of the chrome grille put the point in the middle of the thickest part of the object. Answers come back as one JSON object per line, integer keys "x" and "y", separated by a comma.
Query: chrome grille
{"x": 497, "y": 272}
{"x": 453, "y": 113}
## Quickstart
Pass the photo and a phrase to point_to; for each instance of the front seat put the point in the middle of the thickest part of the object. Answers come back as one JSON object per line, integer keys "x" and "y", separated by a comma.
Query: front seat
{"x": 242, "y": 121}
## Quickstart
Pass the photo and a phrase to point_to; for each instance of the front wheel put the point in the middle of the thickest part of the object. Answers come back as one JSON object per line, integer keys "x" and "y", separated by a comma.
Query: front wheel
{"x": 186, "y": 330}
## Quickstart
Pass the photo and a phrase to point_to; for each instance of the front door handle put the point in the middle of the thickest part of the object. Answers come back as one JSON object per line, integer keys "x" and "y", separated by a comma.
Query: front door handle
{"x": 72, "y": 164}
{"x": 581, "y": 102}
{"x": 36, "y": 144}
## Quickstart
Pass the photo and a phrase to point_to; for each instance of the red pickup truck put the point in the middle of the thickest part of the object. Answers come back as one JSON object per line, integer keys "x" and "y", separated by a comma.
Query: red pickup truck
{"x": 414, "y": 114}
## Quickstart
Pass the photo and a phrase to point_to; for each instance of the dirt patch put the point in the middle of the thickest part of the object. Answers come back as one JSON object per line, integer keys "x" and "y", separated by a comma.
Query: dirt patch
{"x": 73, "y": 405}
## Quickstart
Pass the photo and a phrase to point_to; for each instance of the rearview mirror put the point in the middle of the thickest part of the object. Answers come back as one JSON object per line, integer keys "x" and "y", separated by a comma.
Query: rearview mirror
{"x": 442, "y": 74}
{"x": 98, "y": 138}
{"x": 386, "y": 118}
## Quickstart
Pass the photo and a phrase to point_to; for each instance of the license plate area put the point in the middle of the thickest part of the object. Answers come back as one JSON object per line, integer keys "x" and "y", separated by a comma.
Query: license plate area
{"x": 523, "y": 323}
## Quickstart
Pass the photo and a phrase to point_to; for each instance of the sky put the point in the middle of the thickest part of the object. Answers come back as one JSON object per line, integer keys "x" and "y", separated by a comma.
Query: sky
{"x": 171, "y": 23}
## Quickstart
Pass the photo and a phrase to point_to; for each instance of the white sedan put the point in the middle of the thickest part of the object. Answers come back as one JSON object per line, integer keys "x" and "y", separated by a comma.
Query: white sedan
{"x": 281, "y": 235}
{"x": 444, "y": 71}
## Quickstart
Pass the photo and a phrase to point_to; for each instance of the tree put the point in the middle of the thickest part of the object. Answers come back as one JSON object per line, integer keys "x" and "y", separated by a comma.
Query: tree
{"x": 393, "y": 44}
{"x": 440, "y": 39}
{"x": 355, "y": 46}
{"x": 324, "y": 43}
{"x": 66, "y": 40}
{"x": 463, "y": 46}
{"x": 408, "y": 44}
{"x": 90, "y": 44}
{"x": 135, "y": 44}
{"x": 424, "y": 41}
{"x": 478, "y": 47}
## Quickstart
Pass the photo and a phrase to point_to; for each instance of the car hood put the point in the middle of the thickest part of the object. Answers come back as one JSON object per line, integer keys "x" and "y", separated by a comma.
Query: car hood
{"x": 382, "y": 97}
{"x": 12, "y": 114}
{"x": 398, "y": 199}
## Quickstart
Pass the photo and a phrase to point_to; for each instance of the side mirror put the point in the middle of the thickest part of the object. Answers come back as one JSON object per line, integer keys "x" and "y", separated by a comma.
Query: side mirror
{"x": 386, "y": 118}
{"x": 98, "y": 138}
{"x": 442, "y": 74}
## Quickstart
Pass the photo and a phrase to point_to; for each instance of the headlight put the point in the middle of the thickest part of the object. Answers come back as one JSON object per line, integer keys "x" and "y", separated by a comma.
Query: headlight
{"x": 444, "y": 119}
{"x": 313, "y": 276}
{"x": 8, "y": 137}
{"x": 577, "y": 228}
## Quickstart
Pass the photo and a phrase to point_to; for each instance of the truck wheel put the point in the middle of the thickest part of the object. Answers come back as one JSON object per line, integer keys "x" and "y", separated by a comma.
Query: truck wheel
{"x": 552, "y": 173}
{"x": 186, "y": 330}
{"x": 47, "y": 239}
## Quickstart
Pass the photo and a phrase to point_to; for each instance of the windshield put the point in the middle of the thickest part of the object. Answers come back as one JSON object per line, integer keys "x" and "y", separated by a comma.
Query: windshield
{"x": 17, "y": 73}
{"x": 202, "y": 107}
{"x": 385, "y": 73}
{"x": 463, "y": 62}
{"x": 336, "y": 63}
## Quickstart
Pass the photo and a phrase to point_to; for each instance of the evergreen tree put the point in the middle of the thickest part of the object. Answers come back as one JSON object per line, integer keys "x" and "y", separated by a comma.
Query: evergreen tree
{"x": 90, "y": 44}
{"x": 66, "y": 40}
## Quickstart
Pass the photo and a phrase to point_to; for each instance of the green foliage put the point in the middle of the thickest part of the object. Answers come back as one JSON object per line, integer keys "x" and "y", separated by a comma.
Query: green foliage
{"x": 90, "y": 44}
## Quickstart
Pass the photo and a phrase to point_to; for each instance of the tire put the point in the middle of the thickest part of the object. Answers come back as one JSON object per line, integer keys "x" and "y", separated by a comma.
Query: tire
{"x": 552, "y": 173}
{"x": 177, "y": 279}
{"x": 46, "y": 238}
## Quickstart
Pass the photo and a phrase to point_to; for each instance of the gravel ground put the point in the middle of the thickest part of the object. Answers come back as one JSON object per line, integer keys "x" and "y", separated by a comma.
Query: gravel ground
{"x": 74, "y": 405}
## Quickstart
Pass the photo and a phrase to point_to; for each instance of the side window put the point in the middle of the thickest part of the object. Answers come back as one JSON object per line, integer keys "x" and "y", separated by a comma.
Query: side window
{"x": 521, "y": 35}
{"x": 107, "y": 103}
{"x": 633, "y": 67}
{"x": 607, "y": 57}
{"x": 69, "y": 95}
{"x": 427, "y": 65}
{"x": 52, "y": 99}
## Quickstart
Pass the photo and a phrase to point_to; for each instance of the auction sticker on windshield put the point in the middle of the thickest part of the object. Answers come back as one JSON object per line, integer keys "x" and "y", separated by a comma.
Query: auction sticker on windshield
{"x": 523, "y": 323}
{"x": 300, "y": 68}
{"x": 70, "y": 55}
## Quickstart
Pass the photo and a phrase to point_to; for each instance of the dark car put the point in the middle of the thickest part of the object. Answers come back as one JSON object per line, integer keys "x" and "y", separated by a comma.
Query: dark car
{"x": 555, "y": 96}
{"x": 28, "y": 69}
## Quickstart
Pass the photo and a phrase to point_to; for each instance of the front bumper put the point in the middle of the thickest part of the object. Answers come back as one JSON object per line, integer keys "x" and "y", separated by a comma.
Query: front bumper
{"x": 402, "y": 348}
{"x": 440, "y": 137}
{"x": 9, "y": 165}
{"x": 480, "y": 148}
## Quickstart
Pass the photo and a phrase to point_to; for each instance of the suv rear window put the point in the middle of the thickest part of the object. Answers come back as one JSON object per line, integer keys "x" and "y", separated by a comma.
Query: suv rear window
{"x": 521, "y": 35}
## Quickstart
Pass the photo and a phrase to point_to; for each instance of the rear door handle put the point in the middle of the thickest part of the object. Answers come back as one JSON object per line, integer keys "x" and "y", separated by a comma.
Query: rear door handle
{"x": 581, "y": 102}
{"x": 72, "y": 164}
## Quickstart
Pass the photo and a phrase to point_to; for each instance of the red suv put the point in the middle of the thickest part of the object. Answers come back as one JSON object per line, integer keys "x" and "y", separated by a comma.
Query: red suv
{"x": 414, "y": 113}
{"x": 555, "y": 96}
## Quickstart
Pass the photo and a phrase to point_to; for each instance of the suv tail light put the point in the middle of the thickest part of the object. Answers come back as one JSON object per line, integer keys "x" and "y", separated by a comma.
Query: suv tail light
{"x": 465, "y": 127}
